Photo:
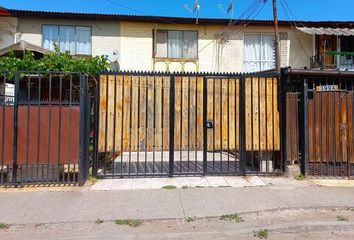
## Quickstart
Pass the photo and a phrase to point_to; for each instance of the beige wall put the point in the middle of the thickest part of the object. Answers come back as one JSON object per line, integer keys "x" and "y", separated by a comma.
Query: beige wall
{"x": 105, "y": 34}
{"x": 223, "y": 54}
{"x": 7, "y": 31}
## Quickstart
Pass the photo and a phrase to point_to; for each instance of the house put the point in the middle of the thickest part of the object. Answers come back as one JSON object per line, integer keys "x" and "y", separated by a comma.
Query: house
{"x": 149, "y": 43}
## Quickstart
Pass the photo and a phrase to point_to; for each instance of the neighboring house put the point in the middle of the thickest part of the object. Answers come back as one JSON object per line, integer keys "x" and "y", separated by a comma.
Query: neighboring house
{"x": 147, "y": 43}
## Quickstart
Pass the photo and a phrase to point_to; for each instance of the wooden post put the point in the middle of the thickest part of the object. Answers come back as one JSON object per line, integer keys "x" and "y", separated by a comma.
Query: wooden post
{"x": 276, "y": 35}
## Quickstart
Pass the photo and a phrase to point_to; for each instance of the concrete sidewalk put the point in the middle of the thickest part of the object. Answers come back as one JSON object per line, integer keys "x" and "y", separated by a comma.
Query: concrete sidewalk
{"x": 85, "y": 205}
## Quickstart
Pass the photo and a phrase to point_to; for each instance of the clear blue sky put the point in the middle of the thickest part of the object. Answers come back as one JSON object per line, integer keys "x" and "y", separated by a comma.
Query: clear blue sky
{"x": 302, "y": 9}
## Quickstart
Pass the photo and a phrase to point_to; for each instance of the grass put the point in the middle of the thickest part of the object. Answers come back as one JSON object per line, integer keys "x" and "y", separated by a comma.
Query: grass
{"x": 300, "y": 177}
{"x": 169, "y": 187}
{"x": 261, "y": 234}
{"x": 185, "y": 187}
{"x": 350, "y": 209}
{"x": 226, "y": 186}
{"x": 99, "y": 221}
{"x": 92, "y": 179}
{"x": 342, "y": 219}
{"x": 191, "y": 219}
{"x": 199, "y": 187}
{"x": 232, "y": 218}
{"x": 129, "y": 222}
{"x": 4, "y": 226}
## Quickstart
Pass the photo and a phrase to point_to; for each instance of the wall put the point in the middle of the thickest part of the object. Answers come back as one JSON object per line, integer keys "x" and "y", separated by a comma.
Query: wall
{"x": 224, "y": 54}
{"x": 7, "y": 31}
{"x": 105, "y": 34}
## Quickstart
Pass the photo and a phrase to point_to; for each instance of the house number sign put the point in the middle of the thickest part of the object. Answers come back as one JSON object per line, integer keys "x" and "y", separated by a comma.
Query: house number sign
{"x": 327, "y": 88}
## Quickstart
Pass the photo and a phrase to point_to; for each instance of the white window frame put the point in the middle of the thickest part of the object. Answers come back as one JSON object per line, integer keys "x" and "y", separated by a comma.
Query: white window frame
{"x": 261, "y": 44}
{"x": 75, "y": 28}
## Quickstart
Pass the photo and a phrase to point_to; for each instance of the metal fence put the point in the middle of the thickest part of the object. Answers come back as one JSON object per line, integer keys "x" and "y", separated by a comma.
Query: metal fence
{"x": 153, "y": 124}
{"x": 324, "y": 115}
{"x": 43, "y": 127}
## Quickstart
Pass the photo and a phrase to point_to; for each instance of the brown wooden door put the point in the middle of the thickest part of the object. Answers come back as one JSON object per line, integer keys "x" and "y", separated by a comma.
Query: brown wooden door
{"x": 330, "y": 132}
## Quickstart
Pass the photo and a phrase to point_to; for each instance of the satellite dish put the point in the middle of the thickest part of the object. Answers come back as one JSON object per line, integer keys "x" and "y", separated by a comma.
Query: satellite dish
{"x": 113, "y": 56}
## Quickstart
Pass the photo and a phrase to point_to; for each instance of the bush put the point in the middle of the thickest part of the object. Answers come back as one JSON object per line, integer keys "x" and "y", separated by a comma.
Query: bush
{"x": 54, "y": 61}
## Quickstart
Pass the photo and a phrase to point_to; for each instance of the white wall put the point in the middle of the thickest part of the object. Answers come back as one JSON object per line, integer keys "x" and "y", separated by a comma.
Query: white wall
{"x": 8, "y": 27}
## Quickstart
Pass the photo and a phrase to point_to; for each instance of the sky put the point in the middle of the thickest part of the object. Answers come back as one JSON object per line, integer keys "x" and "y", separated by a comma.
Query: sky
{"x": 325, "y": 10}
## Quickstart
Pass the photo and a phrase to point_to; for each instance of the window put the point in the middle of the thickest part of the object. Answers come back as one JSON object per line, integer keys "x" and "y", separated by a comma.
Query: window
{"x": 176, "y": 44}
{"x": 258, "y": 52}
{"x": 76, "y": 40}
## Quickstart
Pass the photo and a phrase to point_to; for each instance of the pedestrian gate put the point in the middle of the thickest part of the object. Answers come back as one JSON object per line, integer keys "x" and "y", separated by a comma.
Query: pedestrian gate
{"x": 190, "y": 124}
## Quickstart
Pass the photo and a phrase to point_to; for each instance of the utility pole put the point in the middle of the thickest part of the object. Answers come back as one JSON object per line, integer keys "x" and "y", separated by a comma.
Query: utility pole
{"x": 276, "y": 35}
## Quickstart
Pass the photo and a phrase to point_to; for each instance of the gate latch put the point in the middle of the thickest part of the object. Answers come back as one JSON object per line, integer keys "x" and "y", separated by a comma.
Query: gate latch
{"x": 210, "y": 124}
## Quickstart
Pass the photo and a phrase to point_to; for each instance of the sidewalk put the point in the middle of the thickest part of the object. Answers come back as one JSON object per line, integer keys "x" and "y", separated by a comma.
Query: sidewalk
{"x": 88, "y": 204}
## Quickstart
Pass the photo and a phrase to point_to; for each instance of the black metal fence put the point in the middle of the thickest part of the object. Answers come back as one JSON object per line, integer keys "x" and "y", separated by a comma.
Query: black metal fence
{"x": 43, "y": 127}
{"x": 153, "y": 124}
{"x": 320, "y": 121}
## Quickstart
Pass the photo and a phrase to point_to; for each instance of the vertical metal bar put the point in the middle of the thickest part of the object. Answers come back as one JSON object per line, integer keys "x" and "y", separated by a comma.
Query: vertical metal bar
{"x": 14, "y": 164}
{"x": 273, "y": 122}
{"x": 130, "y": 123}
{"x": 321, "y": 130}
{"x": 70, "y": 128}
{"x": 122, "y": 129}
{"x": 281, "y": 103}
{"x": 235, "y": 124}
{"x": 162, "y": 121}
{"x": 196, "y": 125}
{"x": 304, "y": 128}
{"x": 138, "y": 147}
{"x": 188, "y": 117}
{"x": 214, "y": 128}
{"x": 49, "y": 125}
{"x": 181, "y": 126}
{"x": 228, "y": 125}
{"x": 314, "y": 126}
{"x": 28, "y": 127}
{"x": 221, "y": 120}
{"x": 283, "y": 96}
{"x": 334, "y": 140}
{"x": 38, "y": 126}
{"x": 172, "y": 125}
{"x": 327, "y": 129}
{"x": 82, "y": 131}
{"x": 205, "y": 134}
{"x": 154, "y": 129}
{"x": 106, "y": 130}
{"x": 340, "y": 131}
{"x": 242, "y": 125}
{"x": 146, "y": 120}
{"x": 260, "y": 157}
{"x": 96, "y": 126}
{"x": 3, "y": 101}
{"x": 59, "y": 127}
{"x": 114, "y": 124}
{"x": 252, "y": 132}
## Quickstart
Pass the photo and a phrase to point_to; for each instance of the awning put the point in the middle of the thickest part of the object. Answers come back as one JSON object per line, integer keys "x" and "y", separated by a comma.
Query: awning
{"x": 21, "y": 46}
{"x": 328, "y": 31}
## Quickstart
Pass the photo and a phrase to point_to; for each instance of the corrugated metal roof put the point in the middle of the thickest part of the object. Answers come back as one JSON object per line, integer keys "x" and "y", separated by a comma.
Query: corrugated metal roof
{"x": 327, "y": 31}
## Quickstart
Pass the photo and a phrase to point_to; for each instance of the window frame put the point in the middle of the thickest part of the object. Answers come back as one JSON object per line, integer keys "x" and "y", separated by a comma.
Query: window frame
{"x": 176, "y": 30}
{"x": 260, "y": 61}
{"x": 74, "y": 26}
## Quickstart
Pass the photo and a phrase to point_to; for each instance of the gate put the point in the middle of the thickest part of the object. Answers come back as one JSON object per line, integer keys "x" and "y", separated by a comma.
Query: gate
{"x": 44, "y": 136}
{"x": 324, "y": 132}
{"x": 187, "y": 124}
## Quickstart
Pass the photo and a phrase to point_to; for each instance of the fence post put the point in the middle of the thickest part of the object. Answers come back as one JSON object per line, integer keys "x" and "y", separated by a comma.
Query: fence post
{"x": 96, "y": 127}
{"x": 172, "y": 126}
{"x": 304, "y": 128}
{"x": 282, "y": 102}
{"x": 242, "y": 126}
{"x": 205, "y": 136}
{"x": 84, "y": 133}
{"x": 14, "y": 163}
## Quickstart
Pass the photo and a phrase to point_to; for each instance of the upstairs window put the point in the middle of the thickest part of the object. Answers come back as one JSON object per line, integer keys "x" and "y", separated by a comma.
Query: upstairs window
{"x": 176, "y": 44}
{"x": 259, "y": 52}
{"x": 74, "y": 39}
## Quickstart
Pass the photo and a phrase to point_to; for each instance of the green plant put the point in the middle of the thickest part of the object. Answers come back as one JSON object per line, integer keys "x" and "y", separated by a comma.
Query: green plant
{"x": 169, "y": 187}
{"x": 199, "y": 187}
{"x": 129, "y": 222}
{"x": 54, "y": 61}
{"x": 99, "y": 221}
{"x": 185, "y": 187}
{"x": 4, "y": 226}
{"x": 261, "y": 234}
{"x": 232, "y": 218}
{"x": 342, "y": 219}
{"x": 191, "y": 219}
{"x": 300, "y": 177}
{"x": 92, "y": 178}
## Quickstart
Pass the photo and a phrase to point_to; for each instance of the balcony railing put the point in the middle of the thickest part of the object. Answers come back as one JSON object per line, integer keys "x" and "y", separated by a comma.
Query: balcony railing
{"x": 334, "y": 60}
